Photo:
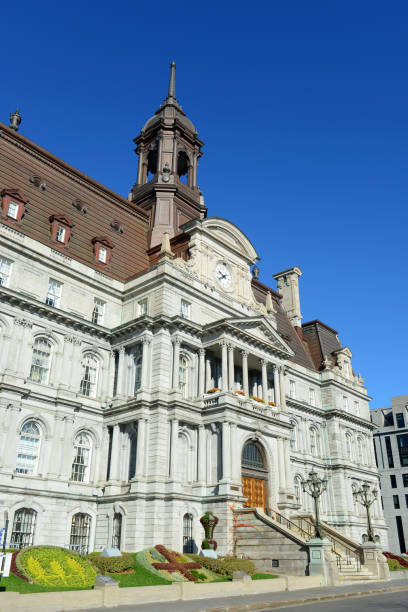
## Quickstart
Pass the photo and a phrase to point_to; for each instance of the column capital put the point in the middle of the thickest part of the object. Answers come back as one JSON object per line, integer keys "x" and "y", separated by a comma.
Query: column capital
{"x": 176, "y": 340}
{"x": 244, "y": 353}
{"x": 230, "y": 347}
{"x": 146, "y": 339}
{"x": 121, "y": 350}
{"x": 201, "y": 352}
{"x": 201, "y": 427}
{"x": 263, "y": 362}
{"x": 223, "y": 343}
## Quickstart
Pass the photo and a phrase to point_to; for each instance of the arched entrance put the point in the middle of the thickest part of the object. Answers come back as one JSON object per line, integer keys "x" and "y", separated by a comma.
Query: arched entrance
{"x": 254, "y": 475}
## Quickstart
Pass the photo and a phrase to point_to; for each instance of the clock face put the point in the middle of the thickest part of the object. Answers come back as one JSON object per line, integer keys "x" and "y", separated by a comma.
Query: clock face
{"x": 223, "y": 275}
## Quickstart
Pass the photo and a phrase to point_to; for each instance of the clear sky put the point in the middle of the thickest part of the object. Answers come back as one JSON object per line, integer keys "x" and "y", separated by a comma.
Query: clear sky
{"x": 302, "y": 105}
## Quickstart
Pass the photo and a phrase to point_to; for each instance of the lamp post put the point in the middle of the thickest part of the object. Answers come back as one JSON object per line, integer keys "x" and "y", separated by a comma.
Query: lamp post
{"x": 3, "y": 532}
{"x": 315, "y": 486}
{"x": 366, "y": 498}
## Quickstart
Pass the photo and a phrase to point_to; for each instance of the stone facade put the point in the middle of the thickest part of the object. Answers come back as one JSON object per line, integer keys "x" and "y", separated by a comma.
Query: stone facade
{"x": 128, "y": 399}
{"x": 391, "y": 449}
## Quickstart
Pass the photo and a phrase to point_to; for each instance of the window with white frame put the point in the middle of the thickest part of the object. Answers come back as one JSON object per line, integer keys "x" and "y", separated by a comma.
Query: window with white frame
{"x": 117, "y": 530}
{"x": 53, "y": 294}
{"x": 348, "y": 447}
{"x": 89, "y": 379}
{"x": 357, "y": 408}
{"x": 142, "y": 307}
{"x": 5, "y": 271}
{"x": 82, "y": 457}
{"x": 313, "y": 441}
{"x": 102, "y": 254}
{"x": 80, "y": 533}
{"x": 138, "y": 367}
{"x": 22, "y": 533}
{"x": 40, "y": 361}
{"x": 346, "y": 369}
{"x": 360, "y": 451}
{"x": 183, "y": 376}
{"x": 60, "y": 234}
{"x": 28, "y": 449}
{"x": 293, "y": 435}
{"x": 345, "y": 404}
{"x": 312, "y": 397}
{"x": 292, "y": 389}
{"x": 98, "y": 313}
{"x": 12, "y": 210}
{"x": 185, "y": 309}
{"x": 297, "y": 489}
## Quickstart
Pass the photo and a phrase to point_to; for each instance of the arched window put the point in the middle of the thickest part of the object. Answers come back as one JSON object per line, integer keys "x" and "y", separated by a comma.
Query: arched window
{"x": 183, "y": 376}
{"x": 183, "y": 165}
{"x": 82, "y": 457}
{"x": 40, "y": 362}
{"x": 117, "y": 530}
{"x": 360, "y": 451}
{"x": 28, "y": 448}
{"x": 138, "y": 368}
{"x": 22, "y": 534}
{"x": 252, "y": 457}
{"x": 188, "y": 542}
{"x": 80, "y": 533}
{"x": 313, "y": 441}
{"x": 184, "y": 458}
{"x": 348, "y": 447}
{"x": 297, "y": 488}
{"x": 132, "y": 455}
{"x": 89, "y": 380}
{"x": 293, "y": 436}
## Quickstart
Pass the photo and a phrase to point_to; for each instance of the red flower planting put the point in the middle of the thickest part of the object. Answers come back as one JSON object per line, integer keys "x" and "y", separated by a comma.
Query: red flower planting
{"x": 400, "y": 560}
{"x": 173, "y": 565}
{"x": 14, "y": 569}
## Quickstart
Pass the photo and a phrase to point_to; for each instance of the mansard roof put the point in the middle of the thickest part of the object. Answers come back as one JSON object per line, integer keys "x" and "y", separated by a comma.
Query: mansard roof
{"x": 321, "y": 339}
{"x": 53, "y": 187}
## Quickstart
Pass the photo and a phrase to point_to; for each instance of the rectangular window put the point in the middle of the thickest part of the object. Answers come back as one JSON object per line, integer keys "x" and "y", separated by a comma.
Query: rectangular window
{"x": 60, "y": 235}
{"x": 405, "y": 480}
{"x": 406, "y": 500}
{"x": 312, "y": 397}
{"x": 12, "y": 210}
{"x": 402, "y": 441}
{"x": 185, "y": 309}
{"x": 400, "y": 419}
{"x": 393, "y": 479}
{"x": 102, "y": 254}
{"x": 356, "y": 408}
{"x": 389, "y": 452}
{"x": 292, "y": 389}
{"x": 345, "y": 404}
{"x": 396, "y": 501}
{"x": 98, "y": 312}
{"x": 142, "y": 307}
{"x": 400, "y": 530}
{"x": 5, "y": 271}
{"x": 53, "y": 294}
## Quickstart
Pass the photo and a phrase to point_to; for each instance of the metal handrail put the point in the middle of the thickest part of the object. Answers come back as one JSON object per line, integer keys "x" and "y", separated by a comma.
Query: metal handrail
{"x": 282, "y": 520}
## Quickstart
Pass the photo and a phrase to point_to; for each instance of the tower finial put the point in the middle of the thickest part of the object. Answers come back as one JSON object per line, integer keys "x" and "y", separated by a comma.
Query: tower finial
{"x": 172, "y": 82}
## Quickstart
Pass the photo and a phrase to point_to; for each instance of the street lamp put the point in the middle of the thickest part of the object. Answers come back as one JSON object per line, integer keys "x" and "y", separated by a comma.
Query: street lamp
{"x": 366, "y": 498}
{"x": 315, "y": 486}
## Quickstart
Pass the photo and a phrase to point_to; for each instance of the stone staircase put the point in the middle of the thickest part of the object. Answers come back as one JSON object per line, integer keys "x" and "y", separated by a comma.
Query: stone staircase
{"x": 279, "y": 544}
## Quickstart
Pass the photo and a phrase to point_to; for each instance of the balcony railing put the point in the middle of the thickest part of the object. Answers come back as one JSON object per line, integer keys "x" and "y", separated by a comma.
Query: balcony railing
{"x": 218, "y": 398}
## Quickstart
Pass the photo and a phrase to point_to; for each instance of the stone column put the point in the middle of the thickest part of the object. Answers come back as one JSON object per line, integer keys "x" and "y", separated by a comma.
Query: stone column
{"x": 281, "y": 465}
{"x": 121, "y": 371}
{"x": 224, "y": 365}
{"x": 115, "y": 453}
{"x": 264, "y": 381}
{"x": 245, "y": 372}
{"x": 288, "y": 471}
{"x": 201, "y": 454}
{"x": 145, "y": 362}
{"x": 282, "y": 388}
{"x": 276, "y": 384}
{"x": 231, "y": 367}
{"x": 236, "y": 457}
{"x": 160, "y": 153}
{"x": 111, "y": 374}
{"x": 67, "y": 449}
{"x": 176, "y": 362}
{"x": 140, "y": 448}
{"x": 174, "y": 164}
{"x": 201, "y": 372}
{"x": 226, "y": 451}
{"x": 173, "y": 449}
{"x": 140, "y": 166}
{"x": 208, "y": 374}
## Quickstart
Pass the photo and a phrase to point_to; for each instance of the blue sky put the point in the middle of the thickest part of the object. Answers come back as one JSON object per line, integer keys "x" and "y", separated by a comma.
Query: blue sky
{"x": 303, "y": 109}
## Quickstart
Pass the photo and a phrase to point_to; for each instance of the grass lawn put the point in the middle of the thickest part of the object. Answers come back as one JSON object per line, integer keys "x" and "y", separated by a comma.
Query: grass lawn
{"x": 261, "y": 576}
{"x": 141, "y": 577}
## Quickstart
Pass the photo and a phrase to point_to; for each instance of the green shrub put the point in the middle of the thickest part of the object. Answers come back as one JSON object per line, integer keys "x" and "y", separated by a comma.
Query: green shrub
{"x": 393, "y": 565}
{"x": 112, "y": 564}
{"x": 224, "y": 566}
{"x": 54, "y": 566}
{"x": 199, "y": 575}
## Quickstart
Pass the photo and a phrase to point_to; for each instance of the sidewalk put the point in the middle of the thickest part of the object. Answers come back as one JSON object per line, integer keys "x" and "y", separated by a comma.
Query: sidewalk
{"x": 259, "y": 602}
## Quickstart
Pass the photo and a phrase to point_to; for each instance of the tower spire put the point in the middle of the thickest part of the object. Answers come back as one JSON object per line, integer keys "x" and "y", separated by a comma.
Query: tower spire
{"x": 172, "y": 82}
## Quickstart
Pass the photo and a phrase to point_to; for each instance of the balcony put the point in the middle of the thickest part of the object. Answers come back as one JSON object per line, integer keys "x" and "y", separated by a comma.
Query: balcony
{"x": 222, "y": 399}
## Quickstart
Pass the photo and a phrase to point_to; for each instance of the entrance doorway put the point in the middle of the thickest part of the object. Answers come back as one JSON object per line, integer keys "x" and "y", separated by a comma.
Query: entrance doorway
{"x": 254, "y": 475}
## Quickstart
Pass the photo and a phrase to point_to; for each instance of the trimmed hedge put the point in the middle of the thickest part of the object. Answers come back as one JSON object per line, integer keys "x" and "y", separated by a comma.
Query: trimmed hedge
{"x": 224, "y": 566}
{"x": 113, "y": 565}
{"x": 54, "y": 566}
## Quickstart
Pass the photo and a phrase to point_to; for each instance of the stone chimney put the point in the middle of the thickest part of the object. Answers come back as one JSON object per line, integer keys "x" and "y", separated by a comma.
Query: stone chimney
{"x": 288, "y": 287}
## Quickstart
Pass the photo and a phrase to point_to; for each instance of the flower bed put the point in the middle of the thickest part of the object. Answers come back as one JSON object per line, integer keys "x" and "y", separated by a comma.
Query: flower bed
{"x": 53, "y": 566}
{"x": 403, "y": 562}
{"x": 113, "y": 565}
{"x": 257, "y": 399}
{"x": 173, "y": 565}
{"x": 213, "y": 390}
{"x": 224, "y": 566}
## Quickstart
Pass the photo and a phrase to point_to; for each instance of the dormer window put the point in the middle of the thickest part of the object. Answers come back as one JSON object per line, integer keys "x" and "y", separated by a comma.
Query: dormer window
{"x": 13, "y": 204}
{"x": 102, "y": 249}
{"x": 60, "y": 229}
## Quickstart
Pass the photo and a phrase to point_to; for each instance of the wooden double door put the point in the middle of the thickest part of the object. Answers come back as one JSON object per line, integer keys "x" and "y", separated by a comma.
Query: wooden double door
{"x": 255, "y": 490}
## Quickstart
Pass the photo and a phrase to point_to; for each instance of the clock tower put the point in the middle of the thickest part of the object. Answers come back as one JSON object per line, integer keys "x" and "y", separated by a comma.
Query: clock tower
{"x": 169, "y": 149}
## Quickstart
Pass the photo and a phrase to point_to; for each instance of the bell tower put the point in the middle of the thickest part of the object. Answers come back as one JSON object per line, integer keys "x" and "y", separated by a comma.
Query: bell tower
{"x": 169, "y": 149}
